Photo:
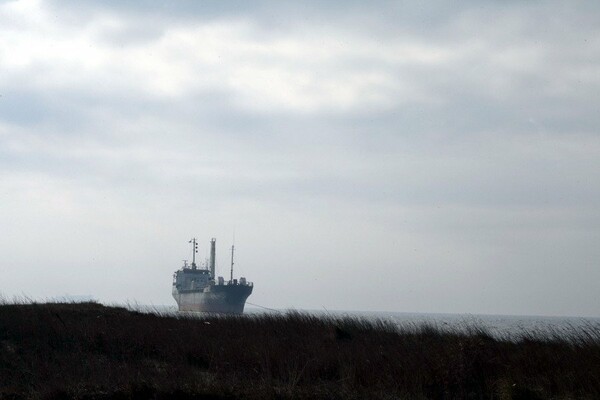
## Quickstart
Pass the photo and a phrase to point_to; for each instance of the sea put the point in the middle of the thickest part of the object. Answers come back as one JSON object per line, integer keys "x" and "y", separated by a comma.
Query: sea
{"x": 509, "y": 327}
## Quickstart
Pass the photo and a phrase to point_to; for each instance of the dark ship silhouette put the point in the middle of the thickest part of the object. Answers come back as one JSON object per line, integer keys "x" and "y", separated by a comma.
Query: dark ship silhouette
{"x": 196, "y": 289}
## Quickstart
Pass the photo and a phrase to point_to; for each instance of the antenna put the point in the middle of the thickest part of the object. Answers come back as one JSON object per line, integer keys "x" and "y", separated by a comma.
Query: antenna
{"x": 231, "y": 277}
{"x": 194, "y": 251}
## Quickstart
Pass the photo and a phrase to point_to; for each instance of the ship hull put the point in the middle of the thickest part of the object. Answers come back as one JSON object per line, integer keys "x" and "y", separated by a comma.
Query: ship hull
{"x": 228, "y": 299}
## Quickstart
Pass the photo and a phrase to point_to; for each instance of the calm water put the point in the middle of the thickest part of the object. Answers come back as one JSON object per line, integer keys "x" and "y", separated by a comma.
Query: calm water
{"x": 501, "y": 326}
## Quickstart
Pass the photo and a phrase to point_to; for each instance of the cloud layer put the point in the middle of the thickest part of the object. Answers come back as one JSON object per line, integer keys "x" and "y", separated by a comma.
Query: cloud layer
{"x": 400, "y": 157}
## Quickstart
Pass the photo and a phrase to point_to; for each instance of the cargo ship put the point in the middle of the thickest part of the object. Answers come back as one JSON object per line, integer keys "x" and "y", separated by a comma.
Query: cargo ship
{"x": 196, "y": 289}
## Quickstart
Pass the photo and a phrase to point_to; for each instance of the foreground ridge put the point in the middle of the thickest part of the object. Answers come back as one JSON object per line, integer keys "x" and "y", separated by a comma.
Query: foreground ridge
{"x": 87, "y": 350}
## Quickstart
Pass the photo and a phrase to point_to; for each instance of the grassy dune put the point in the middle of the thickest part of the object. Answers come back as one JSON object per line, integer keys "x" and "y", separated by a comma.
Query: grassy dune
{"x": 89, "y": 351}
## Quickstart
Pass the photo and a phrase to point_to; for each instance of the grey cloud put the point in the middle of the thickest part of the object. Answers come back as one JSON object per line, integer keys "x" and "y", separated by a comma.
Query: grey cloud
{"x": 21, "y": 108}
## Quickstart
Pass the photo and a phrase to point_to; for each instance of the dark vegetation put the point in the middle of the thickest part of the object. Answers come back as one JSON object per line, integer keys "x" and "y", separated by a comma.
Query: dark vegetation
{"x": 89, "y": 351}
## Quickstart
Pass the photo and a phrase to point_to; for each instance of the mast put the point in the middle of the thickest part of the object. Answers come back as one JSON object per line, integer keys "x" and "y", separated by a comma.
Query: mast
{"x": 212, "y": 257}
{"x": 194, "y": 251}
{"x": 231, "y": 276}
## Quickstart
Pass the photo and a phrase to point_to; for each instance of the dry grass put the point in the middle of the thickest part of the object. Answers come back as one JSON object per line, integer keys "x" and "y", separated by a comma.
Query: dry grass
{"x": 90, "y": 351}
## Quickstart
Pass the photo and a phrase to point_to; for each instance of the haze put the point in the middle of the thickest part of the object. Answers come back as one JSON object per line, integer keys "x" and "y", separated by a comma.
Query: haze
{"x": 401, "y": 156}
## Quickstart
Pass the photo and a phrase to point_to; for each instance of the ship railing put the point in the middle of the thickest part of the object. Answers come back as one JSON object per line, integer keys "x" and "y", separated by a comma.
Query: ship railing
{"x": 229, "y": 283}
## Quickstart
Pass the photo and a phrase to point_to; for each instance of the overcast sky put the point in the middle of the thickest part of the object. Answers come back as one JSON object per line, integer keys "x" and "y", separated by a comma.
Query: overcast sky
{"x": 418, "y": 156}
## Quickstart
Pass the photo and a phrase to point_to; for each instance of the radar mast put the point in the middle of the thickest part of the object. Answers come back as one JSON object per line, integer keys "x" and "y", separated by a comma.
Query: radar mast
{"x": 194, "y": 251}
